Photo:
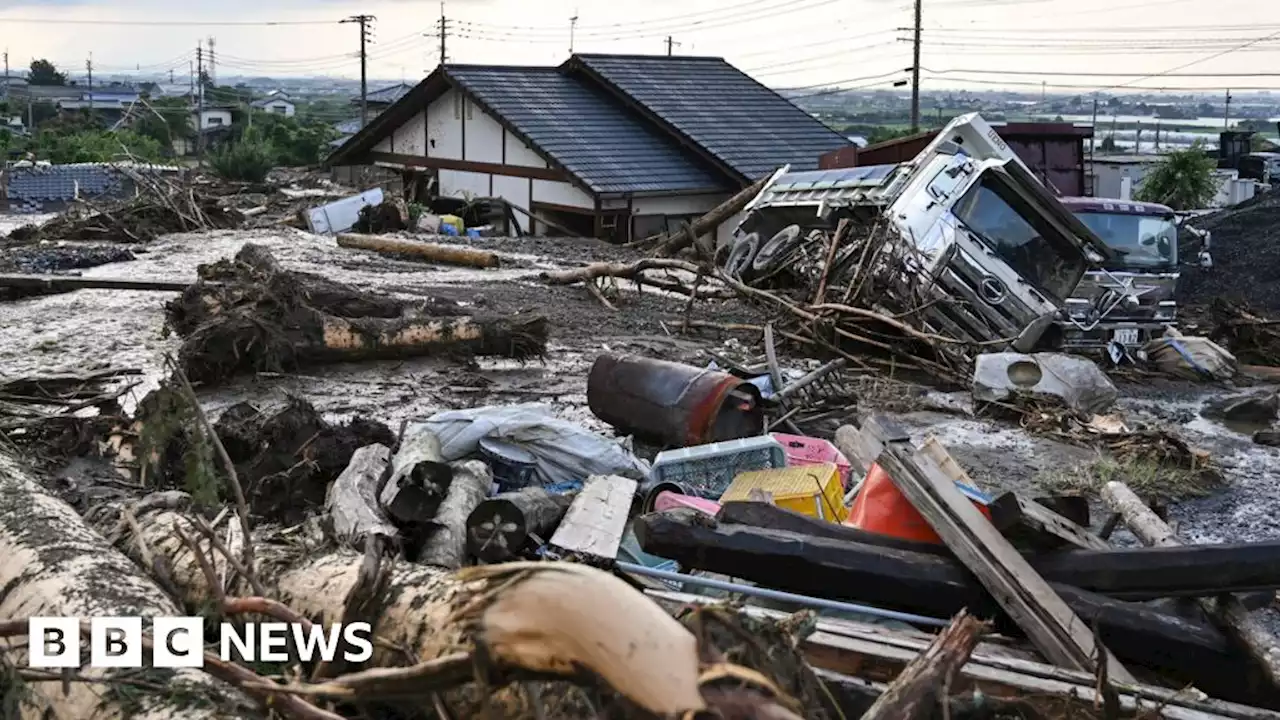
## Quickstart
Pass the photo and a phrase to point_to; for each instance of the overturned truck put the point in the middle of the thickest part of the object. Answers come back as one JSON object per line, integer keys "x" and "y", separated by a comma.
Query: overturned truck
{"x": 963, "y": 241}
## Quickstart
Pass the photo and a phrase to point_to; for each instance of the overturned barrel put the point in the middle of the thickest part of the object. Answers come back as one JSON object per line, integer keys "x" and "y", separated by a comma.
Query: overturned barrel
{"x": 672, "y": 404}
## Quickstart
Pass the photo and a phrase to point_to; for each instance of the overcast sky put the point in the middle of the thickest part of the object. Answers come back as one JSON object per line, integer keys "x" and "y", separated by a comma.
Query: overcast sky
{"x": 784, "y": 43}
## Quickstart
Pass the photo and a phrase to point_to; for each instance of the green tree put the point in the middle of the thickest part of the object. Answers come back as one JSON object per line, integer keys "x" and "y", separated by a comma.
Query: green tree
{"x": 1108, "y": 144}
{"x": 884, "y": 134}
{"x": 295, "y": 142}
{"x": 247, "y": 160}
{"x": 168, "y": 119}
{"x": 44, "y": 73}
{"x": 1183, "y": 181}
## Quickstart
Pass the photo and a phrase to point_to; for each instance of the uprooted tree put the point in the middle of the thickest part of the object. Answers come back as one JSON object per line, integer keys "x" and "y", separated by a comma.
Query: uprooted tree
{"x": 250, "y": 315}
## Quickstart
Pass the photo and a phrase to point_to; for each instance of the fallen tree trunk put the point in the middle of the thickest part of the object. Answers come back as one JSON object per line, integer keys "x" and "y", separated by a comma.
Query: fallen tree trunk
{"x": 1188, "y": 651}
{"x": 1260, "y": 643}
{"x": 352, "y": 505}
{"x": 522, "y": 620}
{"x": 67, "y": 283}
{"x": 443, "y": 254}
{"x": 501, "y": 525}
{"x": 710, "y": 221}
{"x": 55, "y": 565}
{"x": 924, "y": 681}
{"x": 446, "y": 544}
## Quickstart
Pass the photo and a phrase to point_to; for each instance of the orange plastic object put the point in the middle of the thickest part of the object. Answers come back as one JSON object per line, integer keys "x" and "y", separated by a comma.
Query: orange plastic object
{"x": 880, "y": 508}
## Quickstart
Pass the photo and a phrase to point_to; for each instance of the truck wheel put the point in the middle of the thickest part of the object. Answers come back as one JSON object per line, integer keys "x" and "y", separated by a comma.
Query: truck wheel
{"x": 779, "y": 248}
{"x": 744, "y": 251}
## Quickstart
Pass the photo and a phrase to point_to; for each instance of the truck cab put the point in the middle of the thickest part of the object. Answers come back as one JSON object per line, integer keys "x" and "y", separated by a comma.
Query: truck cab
{"x": 987, "y": 251}
{"x": 1129, "y": 299}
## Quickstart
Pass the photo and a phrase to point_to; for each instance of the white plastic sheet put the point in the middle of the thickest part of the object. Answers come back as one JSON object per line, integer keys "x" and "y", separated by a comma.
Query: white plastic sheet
{"x": 565, "y": 452}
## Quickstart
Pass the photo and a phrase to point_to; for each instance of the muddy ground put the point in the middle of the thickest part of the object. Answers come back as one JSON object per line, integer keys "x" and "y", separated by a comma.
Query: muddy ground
{"x": 125, "y": 328}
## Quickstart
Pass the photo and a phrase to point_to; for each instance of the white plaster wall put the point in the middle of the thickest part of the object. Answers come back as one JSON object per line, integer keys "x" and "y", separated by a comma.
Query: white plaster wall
{"x": 384, "y": 145}
{"x": 516, "y": 191}
{"x": 409, "y": 138}
{"x": 613, "y": 203}
{"x": 444, "y": 126}
{"x": 676, "y": 204}
{"x": 520, "y": 154}
{"x": 560, "y": 193}
{"x": 280, "y": 107}
{"x": 458, "y": 183}
{"x": 484, "y": 137}
{"x": 208, "y": 115}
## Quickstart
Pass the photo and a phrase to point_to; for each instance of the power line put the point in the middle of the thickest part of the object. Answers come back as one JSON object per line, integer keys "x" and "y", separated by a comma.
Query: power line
{"x": 166, "y": 23}
{"x": 1036, "y": 73}
{"x": 363, "y": 21}
{"x": 1092, "y": 88}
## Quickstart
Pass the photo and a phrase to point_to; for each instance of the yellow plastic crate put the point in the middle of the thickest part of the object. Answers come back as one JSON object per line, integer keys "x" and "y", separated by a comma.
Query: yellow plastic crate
{"x": 814, "y": 490}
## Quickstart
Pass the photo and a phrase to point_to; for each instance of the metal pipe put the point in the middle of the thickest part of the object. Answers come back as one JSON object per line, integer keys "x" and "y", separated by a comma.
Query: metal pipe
{"x": 806, "y": 600}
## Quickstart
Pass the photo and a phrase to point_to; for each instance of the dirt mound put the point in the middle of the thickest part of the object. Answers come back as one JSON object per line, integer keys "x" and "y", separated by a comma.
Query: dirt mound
{"x": 1246, "y": 256}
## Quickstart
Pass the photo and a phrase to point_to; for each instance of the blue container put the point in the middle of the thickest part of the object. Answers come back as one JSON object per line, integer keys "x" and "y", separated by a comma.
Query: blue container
{"x": 447, "y": 229}
{"x": 473, "y": 232}
{"x": 513, "y": 466}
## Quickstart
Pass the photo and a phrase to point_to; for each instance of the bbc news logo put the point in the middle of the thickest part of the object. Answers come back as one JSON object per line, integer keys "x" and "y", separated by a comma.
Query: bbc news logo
{"x": 178, "y": 642}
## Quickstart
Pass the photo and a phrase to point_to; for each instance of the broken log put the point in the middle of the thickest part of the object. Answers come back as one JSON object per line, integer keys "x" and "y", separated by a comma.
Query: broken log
{"x": 501, "y": 525}
{"x": 1018, "y": 518}
{"x": 55, "y": 565}
{"x": 630, "y": 271}
{"x": 926, "y": 680}
{"x": 592, "y": 528}
{"x": 430, "y": 252}
{"x": 708, "y": 222}
{"x": 523, "y": 620}
{"x": 419, "y": 477}
{"x": 67, "y": 283}
{"x": 352, "y": 504}
{"x": 1260, "y": 644}
{"x": 766, "y": 516}
{"x": 446, "y": 544}
{"x": 1188, "y": 651}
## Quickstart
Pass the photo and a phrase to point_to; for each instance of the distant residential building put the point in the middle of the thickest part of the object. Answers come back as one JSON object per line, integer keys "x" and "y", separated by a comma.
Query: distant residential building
{"x": 209, "y": 118}
{"x": 383, "y": 98}
{"x": 276, "y": 106}
{"x": 8, "y": 82}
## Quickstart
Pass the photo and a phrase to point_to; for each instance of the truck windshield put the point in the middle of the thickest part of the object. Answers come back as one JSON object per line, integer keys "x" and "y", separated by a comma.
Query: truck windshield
{"x": 1021, "y": 236}
{"x": 1142, "y": 241}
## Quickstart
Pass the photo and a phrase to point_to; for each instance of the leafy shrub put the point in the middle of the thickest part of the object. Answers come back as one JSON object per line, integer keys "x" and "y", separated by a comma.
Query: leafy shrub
{"x": 1183, "y": 181}
{"x": 246, "y": 161}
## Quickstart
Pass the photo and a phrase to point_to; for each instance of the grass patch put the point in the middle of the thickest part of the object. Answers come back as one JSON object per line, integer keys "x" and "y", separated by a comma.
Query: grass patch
{"x": 1146, "y": 477}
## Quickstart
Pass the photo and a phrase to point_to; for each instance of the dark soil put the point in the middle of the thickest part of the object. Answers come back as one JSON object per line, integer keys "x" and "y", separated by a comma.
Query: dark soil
{"x": 39, "y": 259}
{"x": 1246, "y": 256}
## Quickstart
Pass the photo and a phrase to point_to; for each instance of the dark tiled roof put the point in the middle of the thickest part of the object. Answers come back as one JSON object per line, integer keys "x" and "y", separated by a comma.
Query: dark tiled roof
{"x": 387, "y": 95}
{"x": 590, "y": 134}
{"x": 745, "y": 125}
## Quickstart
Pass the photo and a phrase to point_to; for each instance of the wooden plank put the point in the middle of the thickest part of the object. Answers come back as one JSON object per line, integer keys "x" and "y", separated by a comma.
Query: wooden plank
{"x": 72, "y": 282}
{"x": 1050, "y": 624}
{"x": 595, "y": 522}
{"x": 935, "y": 450}
{"x": 468, "y": 165}
{"x": 859, "y": 448}
{"x": 1010, "y": 510}
{"x": 878, "y": 653}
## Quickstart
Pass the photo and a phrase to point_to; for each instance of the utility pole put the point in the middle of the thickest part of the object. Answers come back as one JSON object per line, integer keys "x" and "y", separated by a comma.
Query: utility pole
{"x": 363, "y": 21}
{"x": 213, "y": 67}
{"x": 670, "y": 43}
{"x": 444, "y": 35}
{"x": 88, "y": 65}
{"x": 573, "y": 25}
{"x": 199, "y": 104}
{"x": 170, "y": 76}
{"x": 1226, "y": 113}
{"x": 1093, "y": 140}
{"x": 915, "y": 71}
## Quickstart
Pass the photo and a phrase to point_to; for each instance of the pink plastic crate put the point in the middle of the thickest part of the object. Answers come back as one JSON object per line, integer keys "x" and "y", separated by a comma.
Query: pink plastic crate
{"x": 801, "y": 450}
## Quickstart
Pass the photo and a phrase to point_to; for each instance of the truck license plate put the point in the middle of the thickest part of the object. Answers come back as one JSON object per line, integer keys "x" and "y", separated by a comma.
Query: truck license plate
{"x": 1127, "y": 336}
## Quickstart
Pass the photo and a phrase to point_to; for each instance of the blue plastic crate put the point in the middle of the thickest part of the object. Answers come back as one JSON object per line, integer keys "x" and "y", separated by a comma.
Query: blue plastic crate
{"x": 707, "y": 470}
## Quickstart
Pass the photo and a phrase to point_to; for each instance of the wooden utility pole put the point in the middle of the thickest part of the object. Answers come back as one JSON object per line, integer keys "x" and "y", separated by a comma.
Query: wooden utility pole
{"x": 363, "y": 21}
{"x": 199, "y": 104}
{"x": 444, "y": 35}
{"x": 1226, "y": 113}
{"x": 915, "y": 71}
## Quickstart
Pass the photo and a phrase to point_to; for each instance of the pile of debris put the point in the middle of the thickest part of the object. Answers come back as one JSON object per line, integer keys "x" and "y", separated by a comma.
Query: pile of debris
{"x": 162, "y": 205}
{"x": 250, "y": 315}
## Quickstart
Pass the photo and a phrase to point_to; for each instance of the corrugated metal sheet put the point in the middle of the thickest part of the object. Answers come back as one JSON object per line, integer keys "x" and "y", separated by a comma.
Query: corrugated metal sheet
{"x": 744, "y": 124}
{"x": 587, "y": 132}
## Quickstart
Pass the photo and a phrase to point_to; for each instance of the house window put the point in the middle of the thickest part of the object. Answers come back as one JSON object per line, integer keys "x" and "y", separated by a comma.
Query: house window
{"x": 215, "y": 121}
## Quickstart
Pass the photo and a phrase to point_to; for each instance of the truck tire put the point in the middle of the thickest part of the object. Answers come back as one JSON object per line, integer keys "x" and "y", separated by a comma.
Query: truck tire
{"x": 778, "y": 250}
{"x": 740, "y": 257}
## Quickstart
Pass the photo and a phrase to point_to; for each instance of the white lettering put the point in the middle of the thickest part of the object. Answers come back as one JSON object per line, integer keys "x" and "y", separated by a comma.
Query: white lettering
{"x": 359, "y": 635}
{"x": 273, "y": 635}
{"x": 179, "y": 642}
{"x": 244, "y": 644}
{"x": 307, "y": 642}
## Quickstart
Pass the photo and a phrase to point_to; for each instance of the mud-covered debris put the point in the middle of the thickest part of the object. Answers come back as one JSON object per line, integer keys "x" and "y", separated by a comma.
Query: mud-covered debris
{"x": 1075, "y": 382}
{"x": 1257, "y": 406}
{"x": 250, "y": 315}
